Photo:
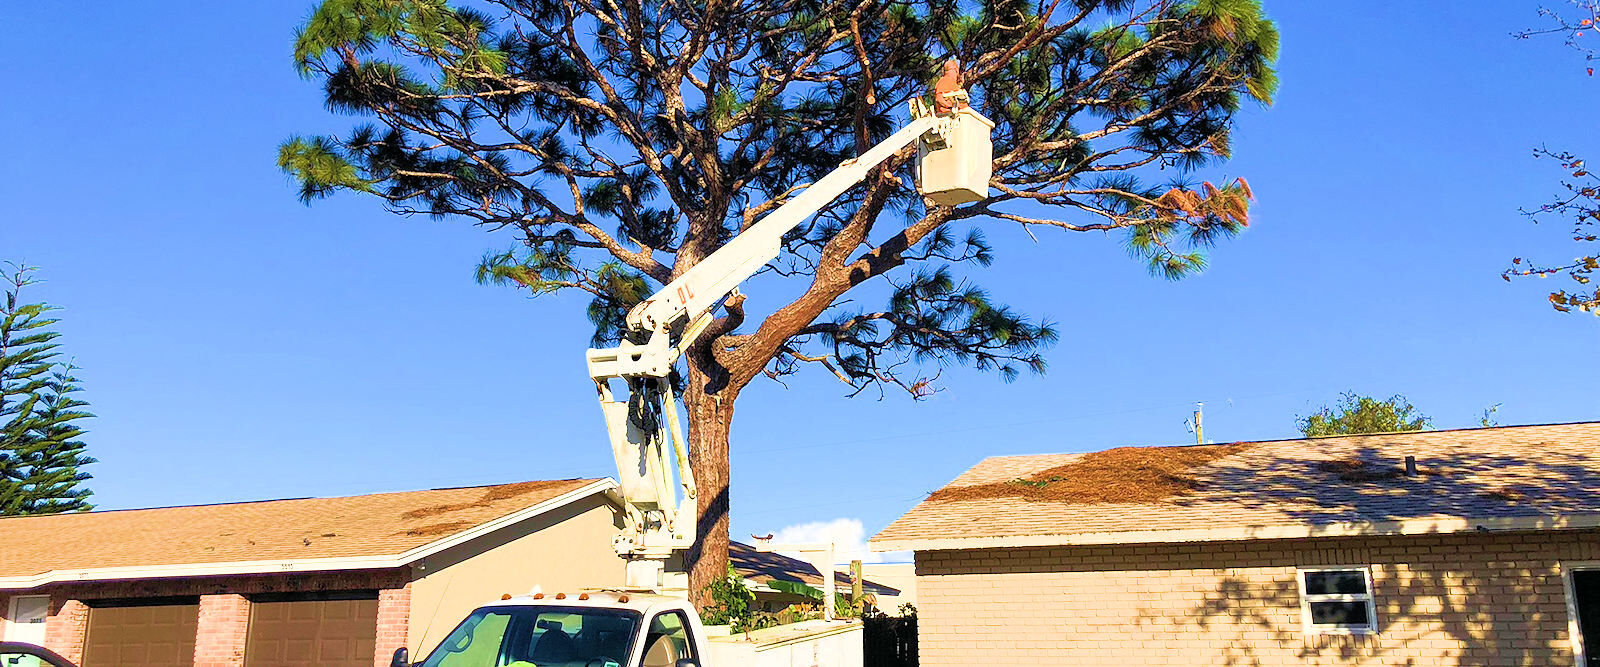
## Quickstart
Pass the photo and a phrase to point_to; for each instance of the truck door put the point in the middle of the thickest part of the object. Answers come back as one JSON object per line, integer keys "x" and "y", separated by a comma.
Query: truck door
{"x": 667, "y": 641}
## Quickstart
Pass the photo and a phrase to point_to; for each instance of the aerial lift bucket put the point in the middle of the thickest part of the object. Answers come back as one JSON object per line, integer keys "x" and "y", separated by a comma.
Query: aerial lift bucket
{"x": 955, "y": 161}
{"x": 954, "y": 166}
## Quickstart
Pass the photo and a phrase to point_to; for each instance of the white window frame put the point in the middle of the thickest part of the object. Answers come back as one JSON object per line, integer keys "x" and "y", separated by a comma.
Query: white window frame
{"x": 1574, "y": 630}
{"x": 1306, "y": 599}
{"x": 9, "y": 632}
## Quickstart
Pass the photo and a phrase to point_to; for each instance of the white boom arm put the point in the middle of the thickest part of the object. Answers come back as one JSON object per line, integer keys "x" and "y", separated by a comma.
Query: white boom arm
{"x": 696, "y": 293}
{"x": 642, "y": 425}
{"x": 720, "y": 273}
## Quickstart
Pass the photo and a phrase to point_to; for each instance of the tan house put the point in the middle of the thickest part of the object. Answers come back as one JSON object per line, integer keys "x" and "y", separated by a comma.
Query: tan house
{"x": 324, "y": 581}
{"x": 1468, "y": 547}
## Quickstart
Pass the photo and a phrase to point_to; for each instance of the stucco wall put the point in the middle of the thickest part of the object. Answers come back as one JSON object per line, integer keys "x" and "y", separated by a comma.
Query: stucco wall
{"x": 567, "y": 549}
{"x": 1441, "y": 600}
{"x": 900, "y": 576}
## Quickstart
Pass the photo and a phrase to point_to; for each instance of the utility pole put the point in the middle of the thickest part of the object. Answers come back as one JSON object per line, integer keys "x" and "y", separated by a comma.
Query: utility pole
{"x": 1199, "y": 428}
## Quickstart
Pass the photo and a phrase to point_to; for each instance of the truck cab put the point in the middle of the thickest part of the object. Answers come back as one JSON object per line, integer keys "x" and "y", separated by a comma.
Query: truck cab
{"x": 598, "y": 629}
{"x": 630, "y": 629}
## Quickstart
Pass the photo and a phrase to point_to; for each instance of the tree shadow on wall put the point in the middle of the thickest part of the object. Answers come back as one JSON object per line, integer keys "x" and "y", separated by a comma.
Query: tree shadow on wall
{"x": 1261, "y": 622}
{"x": 1492, "y": 600}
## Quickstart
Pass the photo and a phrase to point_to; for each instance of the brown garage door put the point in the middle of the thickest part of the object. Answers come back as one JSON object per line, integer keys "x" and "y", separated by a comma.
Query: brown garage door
{"x": 141, "y": 633}
{"x": 324, "y": 632}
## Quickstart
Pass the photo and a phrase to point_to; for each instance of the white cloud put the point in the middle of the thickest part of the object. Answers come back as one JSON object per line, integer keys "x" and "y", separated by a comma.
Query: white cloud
{"x": 848, "y": 536}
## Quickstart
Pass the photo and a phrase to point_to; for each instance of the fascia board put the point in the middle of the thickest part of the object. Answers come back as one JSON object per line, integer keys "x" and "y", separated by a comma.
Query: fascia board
{"x": 1430, "y": 526}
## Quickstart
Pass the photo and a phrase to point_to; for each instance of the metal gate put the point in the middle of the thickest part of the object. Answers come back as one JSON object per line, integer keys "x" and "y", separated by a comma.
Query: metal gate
{"x": 889, "y": 641}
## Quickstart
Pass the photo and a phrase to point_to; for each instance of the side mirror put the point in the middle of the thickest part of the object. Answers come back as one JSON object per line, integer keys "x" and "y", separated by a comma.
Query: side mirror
{"x": 402, "y": 658}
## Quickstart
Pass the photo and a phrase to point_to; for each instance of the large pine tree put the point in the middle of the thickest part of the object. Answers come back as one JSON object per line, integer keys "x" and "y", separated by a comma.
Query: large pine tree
{"x": 40, "y": 454}
{"x": 623, "y": 141}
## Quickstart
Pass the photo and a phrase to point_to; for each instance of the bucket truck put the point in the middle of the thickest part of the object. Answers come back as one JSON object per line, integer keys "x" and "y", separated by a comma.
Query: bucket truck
{"x": 639, "y": 626}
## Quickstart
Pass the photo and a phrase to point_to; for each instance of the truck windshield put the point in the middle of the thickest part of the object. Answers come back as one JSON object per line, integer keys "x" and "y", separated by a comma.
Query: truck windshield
{"x": 538, "y": 636}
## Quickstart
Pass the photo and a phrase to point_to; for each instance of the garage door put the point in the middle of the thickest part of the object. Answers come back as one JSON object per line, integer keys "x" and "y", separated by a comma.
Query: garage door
{"x": 324, "y": 632}
{"x": 141, "y": 633}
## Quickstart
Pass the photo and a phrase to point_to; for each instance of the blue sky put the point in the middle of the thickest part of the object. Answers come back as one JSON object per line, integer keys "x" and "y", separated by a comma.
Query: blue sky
{"x": 237, "y": 345}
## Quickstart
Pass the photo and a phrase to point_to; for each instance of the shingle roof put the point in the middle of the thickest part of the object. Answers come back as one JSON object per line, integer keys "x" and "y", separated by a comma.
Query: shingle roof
{"x": 1527, "y": 476}
{"x": 385, "y": 524}
{"x": 764, "y": 566}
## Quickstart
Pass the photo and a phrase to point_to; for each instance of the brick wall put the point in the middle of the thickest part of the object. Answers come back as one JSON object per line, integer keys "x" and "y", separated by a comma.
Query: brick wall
{"x": 64, "y": 628}
{"x": 394, "y": 621}
{"x": 1441, "y": 600}
{"x": 224, "y": 621}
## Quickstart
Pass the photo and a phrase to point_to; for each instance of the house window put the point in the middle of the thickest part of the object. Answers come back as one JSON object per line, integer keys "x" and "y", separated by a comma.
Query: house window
{"x": 1337, "y": 601}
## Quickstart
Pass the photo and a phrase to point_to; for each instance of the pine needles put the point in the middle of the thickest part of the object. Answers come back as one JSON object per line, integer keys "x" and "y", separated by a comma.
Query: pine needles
{"x": 1120, "y": 475}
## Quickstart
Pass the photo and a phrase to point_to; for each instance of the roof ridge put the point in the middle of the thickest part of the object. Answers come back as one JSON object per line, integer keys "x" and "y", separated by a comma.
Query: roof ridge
{"x": 1303, "y": 439}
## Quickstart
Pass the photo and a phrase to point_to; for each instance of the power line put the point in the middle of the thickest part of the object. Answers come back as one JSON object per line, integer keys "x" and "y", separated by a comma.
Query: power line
{"x": 790, "y": 507}
{"x": 987, "y": 427}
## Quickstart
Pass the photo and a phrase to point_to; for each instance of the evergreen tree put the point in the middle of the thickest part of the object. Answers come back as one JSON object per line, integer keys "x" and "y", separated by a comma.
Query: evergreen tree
{"x": 622, "y": 142}
{"x": 39, "y": 453}
{"x": 1357, "y": 414}
{"x": 25, "y": 353}
{"x": 55, "y": 456}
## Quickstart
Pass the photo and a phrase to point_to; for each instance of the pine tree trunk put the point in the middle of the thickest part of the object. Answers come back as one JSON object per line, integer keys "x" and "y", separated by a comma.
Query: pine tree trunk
{"x": 708, "y": 399}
